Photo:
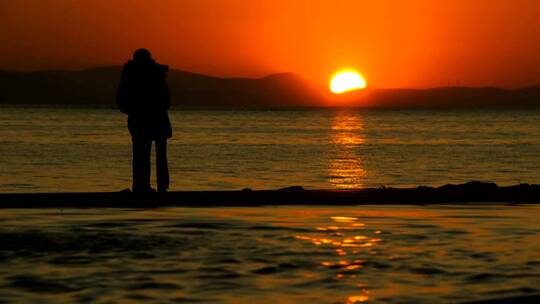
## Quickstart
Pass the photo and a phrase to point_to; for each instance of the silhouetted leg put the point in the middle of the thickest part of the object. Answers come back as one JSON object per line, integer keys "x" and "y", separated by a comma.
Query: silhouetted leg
{"x": 141, "y": 164}
{"x": 162, "y": 170}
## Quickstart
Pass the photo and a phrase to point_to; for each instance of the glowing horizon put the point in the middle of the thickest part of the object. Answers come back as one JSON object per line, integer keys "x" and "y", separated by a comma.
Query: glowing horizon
{"x": 415, "y": 44}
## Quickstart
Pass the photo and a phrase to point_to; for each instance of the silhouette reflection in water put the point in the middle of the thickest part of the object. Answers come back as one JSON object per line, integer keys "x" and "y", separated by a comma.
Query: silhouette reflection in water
{"x": 344, "y": 166}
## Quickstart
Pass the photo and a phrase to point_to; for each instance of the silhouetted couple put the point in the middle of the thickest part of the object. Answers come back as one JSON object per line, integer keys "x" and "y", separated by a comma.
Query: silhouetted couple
{"x": 143, "y": 94}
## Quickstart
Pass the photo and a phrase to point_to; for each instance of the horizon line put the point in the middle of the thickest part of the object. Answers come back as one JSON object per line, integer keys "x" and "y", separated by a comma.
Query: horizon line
{"x": 368, "y": 88}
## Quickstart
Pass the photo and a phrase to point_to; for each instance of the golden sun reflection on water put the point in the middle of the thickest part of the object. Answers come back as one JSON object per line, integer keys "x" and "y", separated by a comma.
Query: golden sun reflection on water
{"x": 349, "y": 239}
{"x": 344, "y": 167}
{"x": 357, "y": 299}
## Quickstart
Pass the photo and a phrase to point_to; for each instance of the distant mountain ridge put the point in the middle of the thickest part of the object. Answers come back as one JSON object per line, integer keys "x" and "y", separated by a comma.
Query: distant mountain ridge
{"x": 98, "y": 86}
{"x": 457, "y": 97}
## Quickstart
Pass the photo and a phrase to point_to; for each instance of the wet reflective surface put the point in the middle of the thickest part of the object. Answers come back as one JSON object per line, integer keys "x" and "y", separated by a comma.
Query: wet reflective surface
{"x": 369, "y": 254}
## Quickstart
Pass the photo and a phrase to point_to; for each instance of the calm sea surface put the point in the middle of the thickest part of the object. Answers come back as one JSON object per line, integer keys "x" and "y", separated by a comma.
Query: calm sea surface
{"x": 368, "y": 254}
{"x": 364, "y": 254}
{"x": 58, "y": 149}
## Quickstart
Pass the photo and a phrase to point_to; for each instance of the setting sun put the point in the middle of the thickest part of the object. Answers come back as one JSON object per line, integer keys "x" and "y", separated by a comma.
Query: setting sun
{"x": 347, "y": 80}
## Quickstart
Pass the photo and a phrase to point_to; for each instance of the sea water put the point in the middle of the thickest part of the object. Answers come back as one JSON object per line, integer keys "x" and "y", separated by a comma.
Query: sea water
{"x": 364, "y": 254}
{"x": 297, "y": 254}
{"x": 89, "y": 149}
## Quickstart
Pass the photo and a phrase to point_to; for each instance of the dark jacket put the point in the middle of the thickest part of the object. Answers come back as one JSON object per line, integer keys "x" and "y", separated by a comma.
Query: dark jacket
{"x": 143, "y": 94}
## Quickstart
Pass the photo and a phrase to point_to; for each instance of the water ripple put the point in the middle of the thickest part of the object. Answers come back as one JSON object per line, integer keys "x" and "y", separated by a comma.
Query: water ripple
{"x": 384, "y": 254}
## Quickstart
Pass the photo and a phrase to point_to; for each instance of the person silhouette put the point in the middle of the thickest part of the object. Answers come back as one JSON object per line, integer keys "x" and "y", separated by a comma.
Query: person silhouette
{"x": 144, "y": 96}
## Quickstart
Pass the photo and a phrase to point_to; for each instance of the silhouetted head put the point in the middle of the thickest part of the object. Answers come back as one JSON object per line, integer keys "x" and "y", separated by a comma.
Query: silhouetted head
{"x": 142, "y": 55}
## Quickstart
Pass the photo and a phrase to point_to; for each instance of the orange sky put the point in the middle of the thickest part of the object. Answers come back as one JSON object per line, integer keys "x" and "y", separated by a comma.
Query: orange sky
{"x": 393, "y": 43}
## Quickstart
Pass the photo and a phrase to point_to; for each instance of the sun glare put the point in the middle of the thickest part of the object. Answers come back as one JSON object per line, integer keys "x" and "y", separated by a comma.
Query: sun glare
{"x": 347, "y": 80}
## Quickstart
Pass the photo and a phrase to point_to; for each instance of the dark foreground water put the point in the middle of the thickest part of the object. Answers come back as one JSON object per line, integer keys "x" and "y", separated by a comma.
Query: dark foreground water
{"x": 372, "y": 254}
{"x": 59, "y": 149}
